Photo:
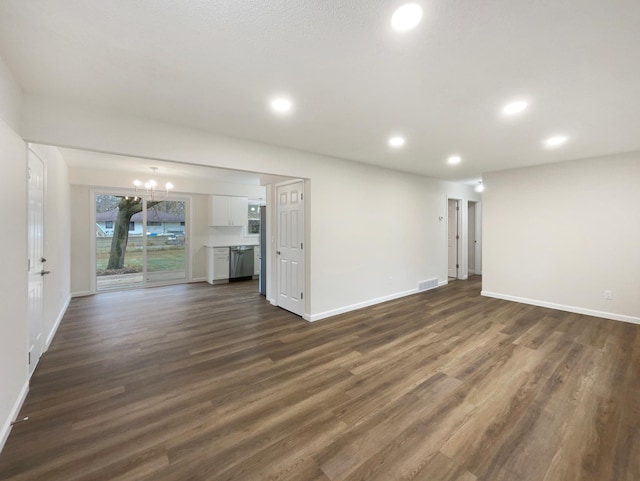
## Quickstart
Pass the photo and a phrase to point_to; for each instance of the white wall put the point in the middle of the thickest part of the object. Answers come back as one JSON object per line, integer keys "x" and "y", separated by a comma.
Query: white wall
{"x": 11, "y": 99}
{"x": 81, "y": 240}
{"x": 13, "y": 256}
{"x": 561, "y": 234}
{"x": 374, "y": 233}
{"x": 57, "y": 242}
{"x": 199, "y": 236}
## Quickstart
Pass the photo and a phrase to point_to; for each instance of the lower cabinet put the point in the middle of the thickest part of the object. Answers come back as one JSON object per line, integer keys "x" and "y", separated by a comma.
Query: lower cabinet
{"x": 217, "y": 264}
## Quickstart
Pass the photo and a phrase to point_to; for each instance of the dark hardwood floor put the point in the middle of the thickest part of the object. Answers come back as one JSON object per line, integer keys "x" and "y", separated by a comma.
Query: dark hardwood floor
{"x": 194, "y": 382}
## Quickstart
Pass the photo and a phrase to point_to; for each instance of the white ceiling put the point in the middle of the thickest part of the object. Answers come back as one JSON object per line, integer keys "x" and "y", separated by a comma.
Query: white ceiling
{"x": 214, "y": 65}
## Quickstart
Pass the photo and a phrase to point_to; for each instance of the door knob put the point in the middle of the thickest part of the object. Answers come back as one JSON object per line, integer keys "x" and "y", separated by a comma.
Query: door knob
{"x": 44, "y": 273}
{"x": 42, "y": 259}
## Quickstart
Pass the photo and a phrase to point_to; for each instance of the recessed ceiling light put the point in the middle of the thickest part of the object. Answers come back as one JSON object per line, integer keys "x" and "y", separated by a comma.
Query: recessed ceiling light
{"x": 281, "y": 105}
{"x": 454, "y": 159}
{"x": 555, "y": 141}
{"x": 515, "y": 107}
{"x": 397, "y": 141}
{"x": 406, "y": 17}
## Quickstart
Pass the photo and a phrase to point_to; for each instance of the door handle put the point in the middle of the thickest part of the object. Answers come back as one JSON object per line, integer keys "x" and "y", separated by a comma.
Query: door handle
{"x": 43, "y": 260}
{"x": 278, "y": 252}
{"x": 44, "y": 273}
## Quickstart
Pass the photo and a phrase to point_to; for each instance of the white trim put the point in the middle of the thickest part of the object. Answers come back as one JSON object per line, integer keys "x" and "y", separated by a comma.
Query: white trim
{"x": 93, "y": 283}
{"x": 198, "y": 279}
{"x": 290, "y": 181}
{"x": 6, "y": 428}
{"x": 54, "y": 329}
{"x": 359, "y": 305}
{"x": 443, "y": 283}
{"x": 82, "y": 294}
{"x": 562, "y": 307}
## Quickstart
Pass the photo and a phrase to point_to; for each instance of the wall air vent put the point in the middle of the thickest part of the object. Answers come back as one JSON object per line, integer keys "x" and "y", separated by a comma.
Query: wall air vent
{"x": 428, "y": 284}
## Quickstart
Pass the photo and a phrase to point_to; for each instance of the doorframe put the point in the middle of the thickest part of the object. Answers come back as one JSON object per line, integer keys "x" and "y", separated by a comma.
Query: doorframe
{"x": 272, "y": 241}
{"x": 462, "y": 270}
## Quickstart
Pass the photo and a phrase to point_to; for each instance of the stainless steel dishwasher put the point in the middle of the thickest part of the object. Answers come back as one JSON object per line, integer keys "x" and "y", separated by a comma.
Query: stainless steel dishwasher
{"x": 241, "y": 263}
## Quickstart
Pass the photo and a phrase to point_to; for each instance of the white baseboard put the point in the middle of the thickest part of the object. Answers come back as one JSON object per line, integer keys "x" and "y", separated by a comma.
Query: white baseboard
{"x": 82, "y": 293}
{"x": 54, "y": 329}
{"x": 360, "y": 305}
{"x": 562, "y": 307}
{"x": 6, "y": 427}
{"x": 198, "y": 279}
{"x": 443, "y": 283}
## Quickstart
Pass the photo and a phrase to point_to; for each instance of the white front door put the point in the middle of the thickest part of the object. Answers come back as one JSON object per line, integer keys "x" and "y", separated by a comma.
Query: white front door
{"x": 290, "y": 251}
{"x": 35, "y": 241}
{"x": 452, "y": 238}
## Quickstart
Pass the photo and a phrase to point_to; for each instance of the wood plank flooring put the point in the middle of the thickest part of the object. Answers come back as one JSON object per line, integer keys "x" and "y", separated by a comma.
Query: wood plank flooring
{"x": 194, "y": 382}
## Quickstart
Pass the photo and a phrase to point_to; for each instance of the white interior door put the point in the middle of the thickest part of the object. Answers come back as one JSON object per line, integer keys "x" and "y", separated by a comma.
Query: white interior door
{"x": 290, "y": 245}
{"x": 35, "y": 241}
{"x": 478, "y": 238}
{"x": 471, "y": 231}
{"x": 452, "y": 238}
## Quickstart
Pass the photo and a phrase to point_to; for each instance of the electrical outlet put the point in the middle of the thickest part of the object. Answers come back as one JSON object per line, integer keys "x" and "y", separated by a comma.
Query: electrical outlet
{"x": 608, "y": 295}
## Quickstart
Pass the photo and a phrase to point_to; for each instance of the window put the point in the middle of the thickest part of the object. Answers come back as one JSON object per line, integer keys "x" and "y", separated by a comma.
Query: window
{"x": 154, "y": 224}
{"x": 132, "y": 226}
{"x": 108, "y": 224}
{"x": 253, "y": 225}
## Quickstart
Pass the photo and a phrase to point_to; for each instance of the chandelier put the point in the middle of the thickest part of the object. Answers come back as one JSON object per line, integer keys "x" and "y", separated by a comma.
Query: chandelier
{"x": 151, "y": 191}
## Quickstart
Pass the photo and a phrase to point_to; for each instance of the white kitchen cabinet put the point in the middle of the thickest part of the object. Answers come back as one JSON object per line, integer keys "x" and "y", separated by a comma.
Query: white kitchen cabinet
{"x": 229, "y": 211}
{"x": 239, "y": 211}
{"x": 217, "y": 264}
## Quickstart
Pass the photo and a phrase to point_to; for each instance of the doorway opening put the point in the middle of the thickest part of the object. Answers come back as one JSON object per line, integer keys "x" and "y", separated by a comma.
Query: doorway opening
{"x": 139, "y": 242}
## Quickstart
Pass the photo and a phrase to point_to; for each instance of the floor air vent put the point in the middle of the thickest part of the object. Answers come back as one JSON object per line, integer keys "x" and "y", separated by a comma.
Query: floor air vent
{"x": 428, "y": 284}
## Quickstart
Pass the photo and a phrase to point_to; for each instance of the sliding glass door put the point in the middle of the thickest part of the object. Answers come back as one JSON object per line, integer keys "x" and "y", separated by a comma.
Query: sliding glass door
{"x": 165, "y": 241}
{"x": 139, "y": 242}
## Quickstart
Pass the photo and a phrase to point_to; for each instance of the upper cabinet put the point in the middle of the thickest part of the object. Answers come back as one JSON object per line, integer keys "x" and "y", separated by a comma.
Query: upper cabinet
{"x": 228, "y": 211}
